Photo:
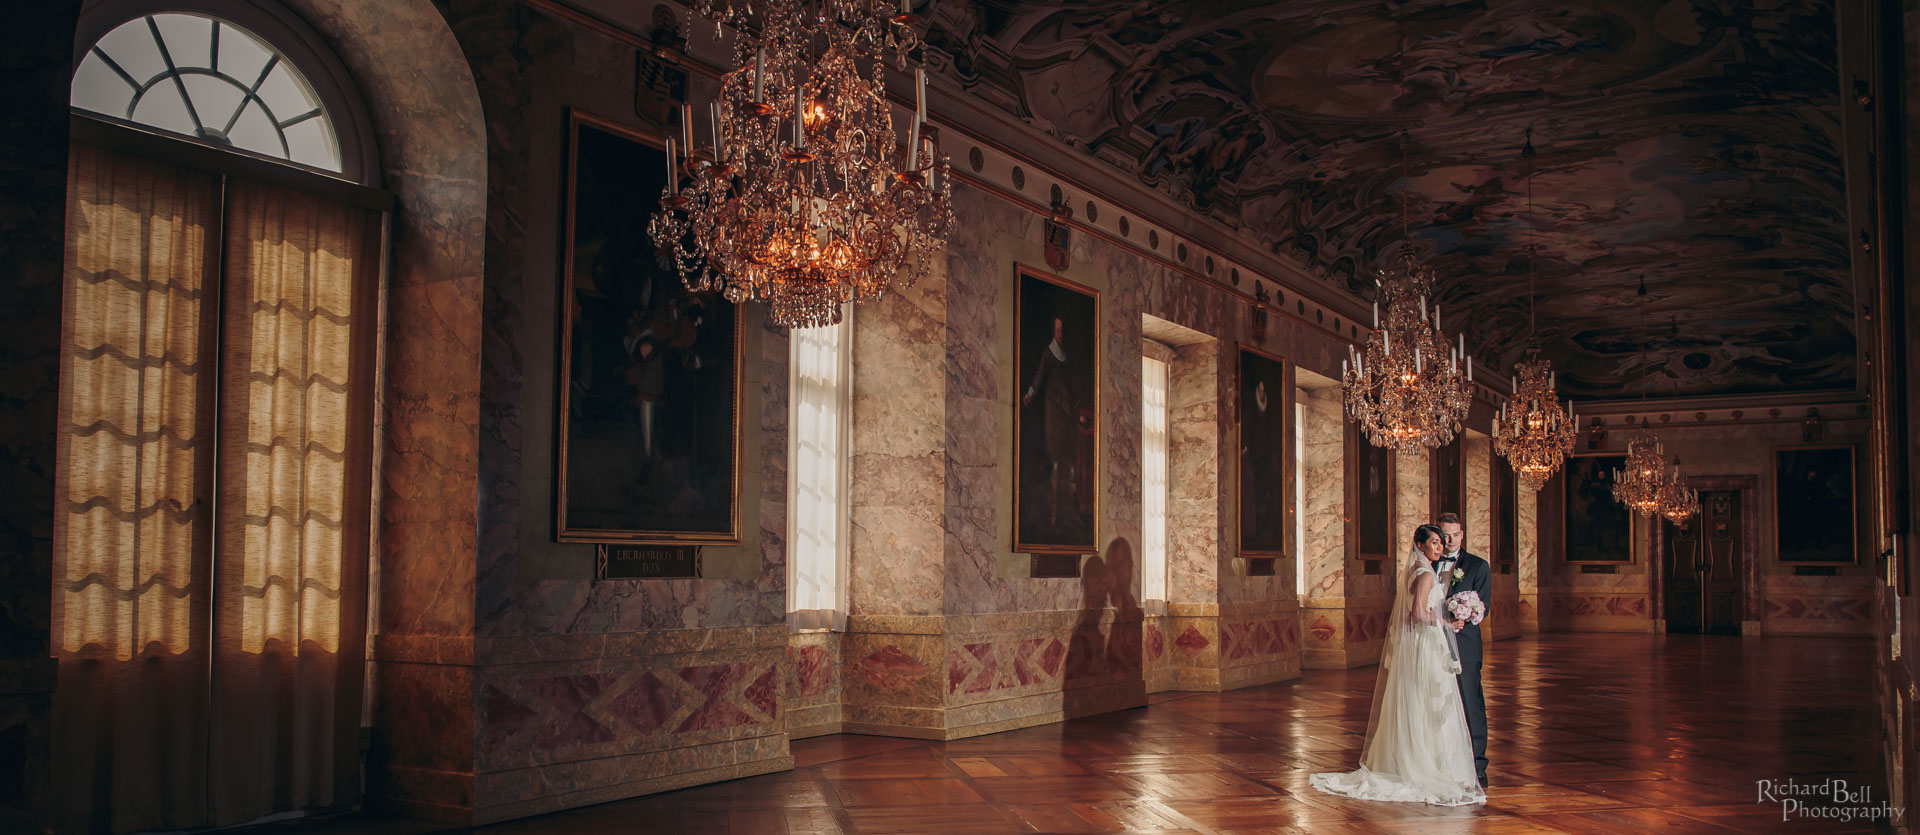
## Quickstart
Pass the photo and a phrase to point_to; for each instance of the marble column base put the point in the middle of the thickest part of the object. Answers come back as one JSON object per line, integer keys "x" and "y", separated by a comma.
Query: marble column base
{"x": 1340, "y": 633}
{"x": 1228, "y": 646}
{"x": 1504, "y": 621}
{"x": 951, "y": 677}
{"x": 812, "y": 702}
{"x": 1155, "y": 640}
{"x": 522, "y": 726}
{"x": 1597, "y": 610}
{"x": 1529, "y": 613}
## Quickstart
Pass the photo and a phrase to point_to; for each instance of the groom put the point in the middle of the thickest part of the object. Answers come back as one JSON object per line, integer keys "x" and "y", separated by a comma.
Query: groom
{"x": 1472, "y": 575}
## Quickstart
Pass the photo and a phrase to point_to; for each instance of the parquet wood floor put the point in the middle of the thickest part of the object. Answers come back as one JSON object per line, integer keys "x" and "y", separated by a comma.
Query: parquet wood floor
{"x": 1589, "y": 733}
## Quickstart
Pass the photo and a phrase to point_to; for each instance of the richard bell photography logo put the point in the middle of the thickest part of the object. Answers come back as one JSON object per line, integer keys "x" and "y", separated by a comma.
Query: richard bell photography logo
{"x": 1830, "y": 799}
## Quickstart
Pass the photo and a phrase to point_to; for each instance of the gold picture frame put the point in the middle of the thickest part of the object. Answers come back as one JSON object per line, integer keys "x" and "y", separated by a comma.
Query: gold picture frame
{"x": 1575, "y": 477}
{"x": 1362, "y": 500}
{"x": 1242, "y": 499}
{"x": 1029, "y": 535}
{"x": 646, "y": 171}
{"x": 1789, "y": 459}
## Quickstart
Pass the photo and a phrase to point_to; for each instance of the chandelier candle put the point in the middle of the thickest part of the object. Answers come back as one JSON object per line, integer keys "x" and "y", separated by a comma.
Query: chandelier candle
{"x": 760, "y": 77}
{"x": 835, "y": 213}
{"x": 1400, "y": 400}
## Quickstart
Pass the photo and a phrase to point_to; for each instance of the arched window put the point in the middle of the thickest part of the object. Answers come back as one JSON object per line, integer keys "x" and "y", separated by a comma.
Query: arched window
{"x": 214, "y": 464}
{"x": 225, "y": 73}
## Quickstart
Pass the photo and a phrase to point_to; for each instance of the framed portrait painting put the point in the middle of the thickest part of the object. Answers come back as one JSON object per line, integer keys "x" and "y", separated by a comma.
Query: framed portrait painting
{"x": 649, "y": 382}
{"x": 1598, "y": 530}
{"x": 1265, "y": 449}
{"x": 1447, "y": 490}
{"x": 1370, "y": 497}
{"x": 1056, "y": 424}
{"x": 1813, "y": 499}
{"x": 1505, "y": 500}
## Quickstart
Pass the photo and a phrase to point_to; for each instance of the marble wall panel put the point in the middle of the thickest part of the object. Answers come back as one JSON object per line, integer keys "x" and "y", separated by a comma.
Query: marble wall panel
{"x": 550, "y": 713}
{"x": 1583, "y": 610}
{"x": 1021, "y": 669}
{"x": 1156, "y": 662}
{"x": 1194, "y": 516}
{"x": 38, "y": 57}
{"x": 898, "y": 484}
{"x": 811, "y": 671}
{"x": 1326, "y": 499}
{"x": 1412, "y": 507}
{"x": 422, "y": 758}
{"x": 1259, "y": 643}
{"x": 1194, "y": 646}
{"x": 1527, "y": 556}
{"x": 1817, "y": 605}
{"x": 1476, "y": 456}
{"x": 894, "y": 683}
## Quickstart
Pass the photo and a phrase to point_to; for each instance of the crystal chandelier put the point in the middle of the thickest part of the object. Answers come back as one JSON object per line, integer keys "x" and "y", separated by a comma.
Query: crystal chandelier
{"x": 1675, "y": 501}
{"x": 1531, "y": 430}
{"x": 1409, "y": 389}
{"x": 1638, "y": 485}
{"x": 806, "y": 199}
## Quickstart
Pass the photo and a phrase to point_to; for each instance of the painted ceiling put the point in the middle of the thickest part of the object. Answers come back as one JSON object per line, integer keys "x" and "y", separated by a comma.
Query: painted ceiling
{"x": 1692, "y": 143}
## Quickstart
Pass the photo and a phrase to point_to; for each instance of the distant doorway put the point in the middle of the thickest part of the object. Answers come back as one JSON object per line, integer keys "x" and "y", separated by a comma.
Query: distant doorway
{"x": 1702, "y": 567}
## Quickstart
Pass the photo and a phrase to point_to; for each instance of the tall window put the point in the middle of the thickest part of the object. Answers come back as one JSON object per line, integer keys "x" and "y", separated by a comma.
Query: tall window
{"x": 214, "y": 456}
{"x": 820, "y": 393}
{"x": 1154, "y": 483}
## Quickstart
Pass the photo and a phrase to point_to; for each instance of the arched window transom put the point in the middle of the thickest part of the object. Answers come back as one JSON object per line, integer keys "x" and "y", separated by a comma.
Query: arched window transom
{"x": 208, "y": 79}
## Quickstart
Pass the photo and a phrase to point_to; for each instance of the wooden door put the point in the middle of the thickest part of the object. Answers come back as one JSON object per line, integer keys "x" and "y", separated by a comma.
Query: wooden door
{"x": 1703, "y": 568}
{"x": 1722, "y": 561}
{"x": 1683, "y": 576}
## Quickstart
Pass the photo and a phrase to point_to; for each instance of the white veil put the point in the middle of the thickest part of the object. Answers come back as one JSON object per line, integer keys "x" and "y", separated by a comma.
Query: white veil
{"x": 1401, "y": 626}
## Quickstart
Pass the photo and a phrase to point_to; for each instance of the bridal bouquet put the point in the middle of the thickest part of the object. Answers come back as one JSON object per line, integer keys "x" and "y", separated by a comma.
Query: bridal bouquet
{"x": 1467, "y": 606}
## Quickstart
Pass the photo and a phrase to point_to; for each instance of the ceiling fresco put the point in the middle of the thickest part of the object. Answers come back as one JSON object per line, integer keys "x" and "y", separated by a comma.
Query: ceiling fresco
{"x": 1692, "y": 144}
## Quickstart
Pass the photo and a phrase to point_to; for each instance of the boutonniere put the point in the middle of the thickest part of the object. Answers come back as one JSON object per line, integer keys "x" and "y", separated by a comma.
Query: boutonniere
{"x": 1459, "y": 574}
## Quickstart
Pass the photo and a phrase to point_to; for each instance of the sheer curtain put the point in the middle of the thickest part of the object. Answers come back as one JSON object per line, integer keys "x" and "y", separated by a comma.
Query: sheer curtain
{"x": 290, "y": 536}
{"x": 201, "y": 617}
{"x": 1154, "y": 481}
{"x": 821, "y": 389}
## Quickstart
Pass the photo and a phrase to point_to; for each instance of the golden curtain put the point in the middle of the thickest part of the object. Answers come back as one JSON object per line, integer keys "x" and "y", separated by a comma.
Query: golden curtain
{"x": 135, "y": 449}
{"x": 210, "y": 625}
{"x": 290, "y": 535}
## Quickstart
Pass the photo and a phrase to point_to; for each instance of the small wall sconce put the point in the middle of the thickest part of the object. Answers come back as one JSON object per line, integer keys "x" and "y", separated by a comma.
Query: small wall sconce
{"x": 1813, "y": 429}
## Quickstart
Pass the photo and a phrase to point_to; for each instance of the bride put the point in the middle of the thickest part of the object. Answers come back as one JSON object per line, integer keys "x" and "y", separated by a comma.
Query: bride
{"x": 1418, "y": 748}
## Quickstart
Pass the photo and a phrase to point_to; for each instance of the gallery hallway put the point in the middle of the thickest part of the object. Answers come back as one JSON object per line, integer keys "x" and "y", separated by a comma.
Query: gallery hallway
{"x": 1622, "y": 733}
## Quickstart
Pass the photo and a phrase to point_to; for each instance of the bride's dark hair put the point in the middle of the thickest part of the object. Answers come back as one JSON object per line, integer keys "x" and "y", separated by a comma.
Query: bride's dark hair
{"x": 1425, "y": 532}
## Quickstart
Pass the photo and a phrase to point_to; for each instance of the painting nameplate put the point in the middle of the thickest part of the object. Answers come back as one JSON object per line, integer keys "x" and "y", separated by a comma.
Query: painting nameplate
{"x": 639, "y": 562}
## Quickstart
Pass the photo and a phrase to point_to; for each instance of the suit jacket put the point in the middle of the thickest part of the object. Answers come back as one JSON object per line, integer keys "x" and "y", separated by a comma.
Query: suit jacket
{"x": 1478, "y": 577}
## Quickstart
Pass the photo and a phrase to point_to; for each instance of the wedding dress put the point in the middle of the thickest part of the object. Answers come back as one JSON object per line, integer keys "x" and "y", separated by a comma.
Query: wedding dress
{"x": 1418, "y": 749}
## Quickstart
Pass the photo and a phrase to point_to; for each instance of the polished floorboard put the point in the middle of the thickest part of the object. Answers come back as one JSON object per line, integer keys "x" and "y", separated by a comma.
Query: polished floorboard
{"x": 1589, "y": 733}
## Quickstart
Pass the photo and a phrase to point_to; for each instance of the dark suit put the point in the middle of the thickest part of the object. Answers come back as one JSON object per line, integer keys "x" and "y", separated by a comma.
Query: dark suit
{"x": 1478, "y": 578}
